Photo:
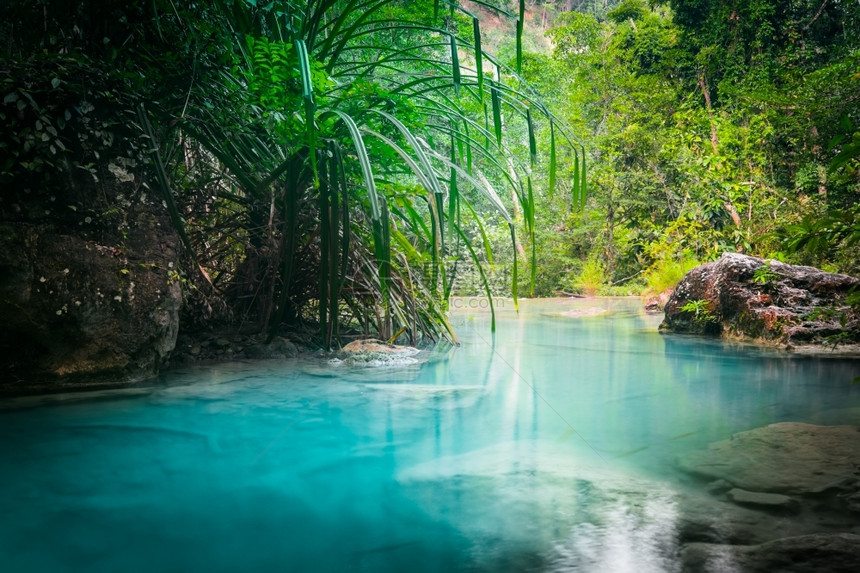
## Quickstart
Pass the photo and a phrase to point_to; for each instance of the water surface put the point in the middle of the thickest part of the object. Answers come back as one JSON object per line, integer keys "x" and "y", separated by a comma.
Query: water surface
{"x": 547, "y": 447}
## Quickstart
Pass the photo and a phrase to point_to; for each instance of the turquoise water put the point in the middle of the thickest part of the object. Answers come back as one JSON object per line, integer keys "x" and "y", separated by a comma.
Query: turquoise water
{"x": 548, "y": 447}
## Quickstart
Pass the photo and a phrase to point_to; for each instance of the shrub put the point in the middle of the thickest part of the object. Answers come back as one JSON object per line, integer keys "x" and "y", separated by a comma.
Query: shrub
{"x": 667, "y": 272}
{"x": 592, "y": 277}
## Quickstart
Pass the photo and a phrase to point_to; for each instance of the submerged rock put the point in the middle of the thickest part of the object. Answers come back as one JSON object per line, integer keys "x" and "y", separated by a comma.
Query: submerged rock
{"x": 764, "y": 500}
{"x": 834, "y": 553}
{"x": 787, "y": 458}
{"x": 767, "y": 301}
{"x": 585, "y": 312}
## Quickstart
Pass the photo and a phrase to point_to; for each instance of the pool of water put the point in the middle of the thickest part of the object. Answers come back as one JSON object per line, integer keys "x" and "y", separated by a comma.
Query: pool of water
{"x": 548, "y": 446}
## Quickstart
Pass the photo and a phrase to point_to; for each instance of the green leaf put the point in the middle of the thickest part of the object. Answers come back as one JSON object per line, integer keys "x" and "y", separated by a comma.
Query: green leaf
{"x": 553, "y": 165}
{"x": 455, "y": 64}
{"x": 530, "y": 220}
{"x": 532, "y": 140}
{"x": 583, "y": 191}
{"x": 429, "y": 172}
{"x": 483, "y": 276}
{"x": 453, "y": 191}
{"x": 308, "y": 98}
{"x": 479, "y": 57}
{"x": 519, "y": 46}
{"x": 364, "y": 161}
{"x": 514, "y": 274}
{"x": 497, "y": 113}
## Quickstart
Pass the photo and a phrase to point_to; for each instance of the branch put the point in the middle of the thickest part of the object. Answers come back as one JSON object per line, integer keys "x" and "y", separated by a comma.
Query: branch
{"x": 814, "y": 18}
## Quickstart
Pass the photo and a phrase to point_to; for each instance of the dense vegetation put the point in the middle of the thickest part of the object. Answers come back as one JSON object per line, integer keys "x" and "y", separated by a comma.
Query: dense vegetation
{"x": 352, "y": 163}
{"x": 713, "y": 126}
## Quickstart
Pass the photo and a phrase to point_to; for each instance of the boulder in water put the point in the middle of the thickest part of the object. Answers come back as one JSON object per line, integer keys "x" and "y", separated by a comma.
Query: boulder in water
{"x": 767, "y": 301}
{"x": 371, "y": 352}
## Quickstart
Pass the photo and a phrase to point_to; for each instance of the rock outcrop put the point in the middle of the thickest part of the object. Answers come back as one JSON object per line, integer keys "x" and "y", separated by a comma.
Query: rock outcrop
{"x": 767, "y": 301}
{"x": 88, "y": 299}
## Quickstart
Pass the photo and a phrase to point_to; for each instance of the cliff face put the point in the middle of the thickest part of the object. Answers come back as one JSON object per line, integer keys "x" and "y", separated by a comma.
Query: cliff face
{"x": 767, "y": 301}
{"x": 89, "y": 289}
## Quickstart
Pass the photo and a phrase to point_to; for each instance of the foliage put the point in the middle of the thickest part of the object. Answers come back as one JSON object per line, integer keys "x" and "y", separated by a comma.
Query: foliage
{"x": 701, "y": 311}
{"x": 322, "y": 160}
{"x": 667, "y": 272}
{"x": 716, "y": 127}
{"x": 765, "y": 275}
{"x": 592, "y": 277}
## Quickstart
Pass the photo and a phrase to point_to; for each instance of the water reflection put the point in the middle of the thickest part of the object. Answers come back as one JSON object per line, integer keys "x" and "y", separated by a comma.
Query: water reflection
{"x": 549, "y": 447}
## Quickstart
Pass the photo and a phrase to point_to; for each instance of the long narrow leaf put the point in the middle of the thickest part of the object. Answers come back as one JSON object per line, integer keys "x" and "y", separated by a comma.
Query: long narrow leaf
{"x": 435, "y": 186}
{"x": 455, "y": 64}
{"x": 453, "y": 191}
{"x": 483, "y": 185}
{"x": 552, "y": 159}
{"x": 364, "y": 161}
{"x": 497, "y": 113}
{"x": 308, "y": 99}
{"x": 479, "y": 57}
{"x": 324, "y": 266}
{"x": 584, "y": 186}
{"x": 532, "y": 140}
{"x": 520, "y": 46}
{"x": 530, "y": 222}
{"x": 483, "y": 276}
{"x": 514, "y": 277}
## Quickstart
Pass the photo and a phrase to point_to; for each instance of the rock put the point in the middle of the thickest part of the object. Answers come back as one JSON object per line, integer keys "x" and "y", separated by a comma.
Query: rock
{"x": 656, "y": 303}
{"x": 372, "y": 345}
{"x": 77, "y": 313}
{"x": 764, "y": 500}
{"x": 718, "y": 486}
{"x": 222, "y": 342}
{"x": 767, "y": 301}
{"x": 788, "y": 458}
{"x": 279, "y": 348}
{"x": 706, "y": 519}
{"x": 585, "y": 312}
{"x": 851, "y": 500}
{"x": 371, "y": 352}
{"x": 834, "y": 553}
